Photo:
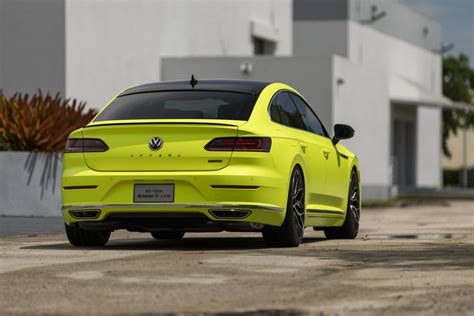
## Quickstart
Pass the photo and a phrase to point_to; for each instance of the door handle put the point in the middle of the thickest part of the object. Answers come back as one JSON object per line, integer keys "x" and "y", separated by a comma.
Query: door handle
{"x": 326, "y": 153}
{"x": 303, "y": 147}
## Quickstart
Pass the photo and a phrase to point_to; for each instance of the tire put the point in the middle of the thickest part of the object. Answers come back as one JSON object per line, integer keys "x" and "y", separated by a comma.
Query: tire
{"x": 290, "y": 233}
{"x": 86, "y": 238}
{"x": 350, "y": 228}
{"x": 175, "y": 234}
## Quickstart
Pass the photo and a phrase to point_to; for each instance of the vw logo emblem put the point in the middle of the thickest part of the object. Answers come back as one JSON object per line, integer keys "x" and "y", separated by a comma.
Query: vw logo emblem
{"x": 155, "y": 143}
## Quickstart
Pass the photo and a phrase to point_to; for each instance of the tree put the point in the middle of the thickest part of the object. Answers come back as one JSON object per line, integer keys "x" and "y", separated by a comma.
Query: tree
{"x": 458, "y": 85}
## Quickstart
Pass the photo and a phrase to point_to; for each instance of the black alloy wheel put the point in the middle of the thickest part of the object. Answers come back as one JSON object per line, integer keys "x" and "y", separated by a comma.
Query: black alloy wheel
{"x": 297, "y": 201}
{"x": 86, "y": 238}
{"x": 350, "y": 228}
{"x": 290, "y": 233}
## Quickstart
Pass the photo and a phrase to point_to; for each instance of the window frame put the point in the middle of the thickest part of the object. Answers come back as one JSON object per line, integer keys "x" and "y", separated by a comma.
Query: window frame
{"x": 292, "y": 102}
{"x": 326, "y": 134}
{"x": 122, "y": 95}
{"x": 304, "y": 130}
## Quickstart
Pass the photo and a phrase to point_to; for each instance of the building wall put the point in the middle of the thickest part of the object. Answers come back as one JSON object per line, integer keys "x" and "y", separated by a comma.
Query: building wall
{"x": 320, "y": 28}
{"x": 320, "y": 38}
{"x": 396, "y": 58}
{"x": 402, "y": 21}
{"x": 30, "y": 184}
{"x": 2, "y": 31}
{"x": 321, "y": 10}
{"x": 311, "y": 77}
{"x": 132, "y": 36}
{"x": 379, "y": 51}
{"x": 32, "y": 56}
{"x": 329, "y": 18}
{"x": 362, "y": 101}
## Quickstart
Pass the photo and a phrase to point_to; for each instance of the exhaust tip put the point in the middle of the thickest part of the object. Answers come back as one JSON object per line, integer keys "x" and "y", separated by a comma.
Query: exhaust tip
{"x": 81, "y": 214}
{"x": 230, "y": 213}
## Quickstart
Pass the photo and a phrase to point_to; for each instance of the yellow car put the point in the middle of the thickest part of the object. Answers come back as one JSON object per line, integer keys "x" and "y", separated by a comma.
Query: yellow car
{"x": 209, "y": 156}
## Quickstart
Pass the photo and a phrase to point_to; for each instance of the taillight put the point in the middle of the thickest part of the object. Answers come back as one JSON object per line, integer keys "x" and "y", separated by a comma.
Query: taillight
{"x": 262, "y": 144}
{"x": 80, "y": 145}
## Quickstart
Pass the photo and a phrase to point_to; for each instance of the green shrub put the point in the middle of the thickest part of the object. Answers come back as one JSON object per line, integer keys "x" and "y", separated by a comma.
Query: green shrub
{"x": 40, "y": 122}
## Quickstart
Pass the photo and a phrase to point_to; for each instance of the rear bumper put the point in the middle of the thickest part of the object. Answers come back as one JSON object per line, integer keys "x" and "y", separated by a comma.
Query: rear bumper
{"x": 111, "y": 193}
{"x": 147, "y": 217}
{"x": 156, "y": 206}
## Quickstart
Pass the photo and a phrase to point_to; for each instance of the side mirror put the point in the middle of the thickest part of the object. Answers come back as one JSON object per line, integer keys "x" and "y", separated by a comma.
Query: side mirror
{"x": 342, "y": 131}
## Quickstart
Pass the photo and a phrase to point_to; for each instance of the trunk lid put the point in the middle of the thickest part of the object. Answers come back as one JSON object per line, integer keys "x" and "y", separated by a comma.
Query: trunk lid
{"x": 182, "y": 148}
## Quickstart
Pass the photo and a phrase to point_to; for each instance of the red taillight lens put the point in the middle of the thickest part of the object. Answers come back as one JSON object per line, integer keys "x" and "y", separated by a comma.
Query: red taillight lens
{"x": 262, "y": 144}
{"x": 80, "y": 145}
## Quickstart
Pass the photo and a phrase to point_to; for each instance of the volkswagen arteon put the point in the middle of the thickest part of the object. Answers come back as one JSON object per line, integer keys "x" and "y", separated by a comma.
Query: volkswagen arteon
{"x": 208, "y": 156}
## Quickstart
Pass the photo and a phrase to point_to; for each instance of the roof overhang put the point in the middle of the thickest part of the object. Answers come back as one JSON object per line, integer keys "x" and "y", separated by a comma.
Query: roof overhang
{"x": 466, "y": 107}
{"x": 263, "y": 30}
{"x": 406, "y": 91}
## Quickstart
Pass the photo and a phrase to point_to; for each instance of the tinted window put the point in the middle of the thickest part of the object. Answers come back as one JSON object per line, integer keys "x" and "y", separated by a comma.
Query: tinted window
{"x": 309, "y": 118}
{"x": 284, "y": 111}
{"x": 180, "y": 105}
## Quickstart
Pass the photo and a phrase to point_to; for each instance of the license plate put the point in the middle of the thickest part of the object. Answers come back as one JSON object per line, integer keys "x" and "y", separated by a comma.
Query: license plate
{"x": 153, "y": 193}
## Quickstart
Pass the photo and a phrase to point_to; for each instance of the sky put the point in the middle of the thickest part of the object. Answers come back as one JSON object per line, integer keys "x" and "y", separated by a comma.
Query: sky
{"x": 457, "y": 22}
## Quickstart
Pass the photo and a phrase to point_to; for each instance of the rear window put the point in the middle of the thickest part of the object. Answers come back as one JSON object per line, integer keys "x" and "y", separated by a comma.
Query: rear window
{"x": 180, "y": 105}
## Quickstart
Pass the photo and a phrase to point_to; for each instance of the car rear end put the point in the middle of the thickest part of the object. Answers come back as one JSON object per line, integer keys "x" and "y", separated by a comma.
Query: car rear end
{"x": 172, "y": 159}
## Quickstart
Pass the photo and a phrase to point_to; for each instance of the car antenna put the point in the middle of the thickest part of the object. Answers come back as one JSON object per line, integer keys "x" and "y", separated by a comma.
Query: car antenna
{"x": 193, "y": 81}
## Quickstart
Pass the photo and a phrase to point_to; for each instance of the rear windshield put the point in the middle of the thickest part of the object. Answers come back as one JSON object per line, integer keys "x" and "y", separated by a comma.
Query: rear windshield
{"x": 180, "y": 105}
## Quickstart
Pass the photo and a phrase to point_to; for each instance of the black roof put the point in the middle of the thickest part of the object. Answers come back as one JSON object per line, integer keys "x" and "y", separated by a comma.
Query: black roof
{"x": 246, "y": 86}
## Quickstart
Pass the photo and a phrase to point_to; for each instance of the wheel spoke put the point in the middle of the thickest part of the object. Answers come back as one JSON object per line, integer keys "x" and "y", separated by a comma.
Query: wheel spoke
{"x": 297, "y": 192}
{"x": 354, "y": 202}
{"x": 297, "y": 185}
{"x": 298, "y": 207}
{"x": 355, "y": 211}
{"x": 293, "y": 184}
{"x": 300, "y": 222}
{"x": 354, "y": 195}
{"x": 351, "y": 183}
{"x": 297, "y": 201}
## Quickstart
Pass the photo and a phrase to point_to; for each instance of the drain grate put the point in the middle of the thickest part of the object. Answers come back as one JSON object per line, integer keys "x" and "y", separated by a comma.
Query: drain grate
{"x": 431, "y": 236}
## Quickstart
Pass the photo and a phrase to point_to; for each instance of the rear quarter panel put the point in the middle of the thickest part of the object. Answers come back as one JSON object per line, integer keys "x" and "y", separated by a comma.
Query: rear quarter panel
{"x": 285, "y": 151}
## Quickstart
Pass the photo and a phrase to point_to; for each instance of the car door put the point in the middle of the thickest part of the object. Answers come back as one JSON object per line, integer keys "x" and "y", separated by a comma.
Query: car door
{"x": 284, "y": 111}
{"x": 326, "y": 154}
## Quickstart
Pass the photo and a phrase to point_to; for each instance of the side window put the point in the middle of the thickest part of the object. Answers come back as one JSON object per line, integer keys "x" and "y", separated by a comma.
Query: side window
{"x": 309, "y": 118}
{"x": 284, "y": 111}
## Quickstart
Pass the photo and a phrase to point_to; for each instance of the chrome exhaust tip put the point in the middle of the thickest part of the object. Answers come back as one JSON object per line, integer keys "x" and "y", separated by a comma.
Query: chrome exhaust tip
{"x": 230, "y": 213}
{"x": 84, "y": 214}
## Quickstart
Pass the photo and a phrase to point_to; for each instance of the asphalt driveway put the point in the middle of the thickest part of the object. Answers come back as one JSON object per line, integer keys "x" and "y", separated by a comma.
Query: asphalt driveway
{"x": 413, "y": 260}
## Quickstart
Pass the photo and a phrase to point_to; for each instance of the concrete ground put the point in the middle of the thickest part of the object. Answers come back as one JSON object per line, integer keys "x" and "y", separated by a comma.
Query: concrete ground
{"x": 413, "y": 260}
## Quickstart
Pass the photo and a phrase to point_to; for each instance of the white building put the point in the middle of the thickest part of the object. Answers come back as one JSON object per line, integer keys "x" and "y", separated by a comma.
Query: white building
{"x": 372, "y": 64}
{"x": 92, "y": 49}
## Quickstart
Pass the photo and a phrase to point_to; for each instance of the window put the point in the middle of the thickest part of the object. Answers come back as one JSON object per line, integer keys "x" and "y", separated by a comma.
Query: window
{"x": 284, "y": 111}
{"x": 180, "y": 105}
{"x": 263, "y": 46}
{"x": 309, "y": 118}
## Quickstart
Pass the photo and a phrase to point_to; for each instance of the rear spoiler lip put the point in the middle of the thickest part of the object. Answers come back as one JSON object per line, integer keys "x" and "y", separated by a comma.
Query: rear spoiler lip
{"x": 163, "y": 123}
{"x": 244, "y": 91}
